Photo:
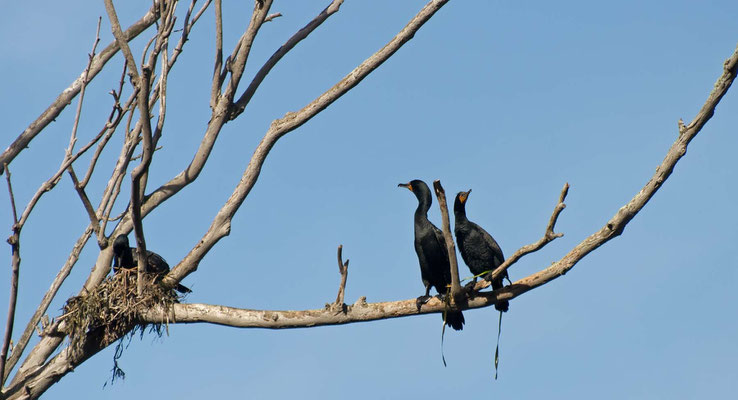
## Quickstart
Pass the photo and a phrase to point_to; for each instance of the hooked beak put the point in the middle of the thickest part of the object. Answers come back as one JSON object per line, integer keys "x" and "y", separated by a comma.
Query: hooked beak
{"x": 406, "y": 185}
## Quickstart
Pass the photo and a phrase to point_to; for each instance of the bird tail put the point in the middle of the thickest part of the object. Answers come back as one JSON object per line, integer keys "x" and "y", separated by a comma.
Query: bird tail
{"x": 183, "y": 289}
{"x": 455, "y": 319}
{"x": 500, "y": 305}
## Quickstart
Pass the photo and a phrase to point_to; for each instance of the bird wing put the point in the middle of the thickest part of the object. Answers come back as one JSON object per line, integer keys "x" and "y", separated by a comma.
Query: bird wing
{"x": 444, "y": 263}
{"x": 157, "y": 264}
{"x": 493, "y": 247}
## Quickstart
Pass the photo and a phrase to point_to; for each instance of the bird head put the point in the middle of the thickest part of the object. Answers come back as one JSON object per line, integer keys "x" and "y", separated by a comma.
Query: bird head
{"x": 460, "y": 202}
{"x": 120, "y": 245}
{"x": 419, "y": 188}
{"x": 462, "y": 196}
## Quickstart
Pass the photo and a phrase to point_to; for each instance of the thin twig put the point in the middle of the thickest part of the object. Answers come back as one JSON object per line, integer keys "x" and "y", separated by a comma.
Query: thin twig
{"x": 245, "y": 98}
{"x": 343, "y": 270}
{"x": 66, "y": 96}
{"x": 85, "y": 80}
{"x": 94, "y": 220}
{"x": 73, "y": 139}
{"x": 51, "y": 182}
{"x": 548, "y": 236}
{"x": 188, "y": 24}
{"x": 272, "y": 16}
{"x": 14, "y": 242}
{"x": 25, "y": 337}
{"x": 241, "y": 54}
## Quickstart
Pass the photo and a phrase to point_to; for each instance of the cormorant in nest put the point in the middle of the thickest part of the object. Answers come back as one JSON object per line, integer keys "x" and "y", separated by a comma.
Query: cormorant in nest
{"x": 126, "y": 257}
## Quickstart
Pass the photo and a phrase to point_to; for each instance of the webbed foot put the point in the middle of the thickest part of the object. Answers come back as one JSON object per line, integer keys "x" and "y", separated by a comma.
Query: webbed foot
{"x": 469, "y": 288}
{"x": 421, "y": 300}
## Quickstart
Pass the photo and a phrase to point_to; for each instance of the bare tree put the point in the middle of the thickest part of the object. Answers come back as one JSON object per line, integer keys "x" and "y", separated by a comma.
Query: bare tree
{"x": 140, "y": 119}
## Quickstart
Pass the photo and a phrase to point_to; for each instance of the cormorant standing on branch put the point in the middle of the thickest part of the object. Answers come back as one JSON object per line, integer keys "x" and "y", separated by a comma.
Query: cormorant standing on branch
{"x": 430, "y": 246}
{"x": 126, "y": 257}
{"x": 478, "y": 248}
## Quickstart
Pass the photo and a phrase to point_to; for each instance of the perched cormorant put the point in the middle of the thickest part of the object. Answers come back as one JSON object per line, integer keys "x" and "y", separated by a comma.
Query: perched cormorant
{"x": 432, "y": 253}
{"x": 478, "y": 248}
{"x": 126, "y": 257}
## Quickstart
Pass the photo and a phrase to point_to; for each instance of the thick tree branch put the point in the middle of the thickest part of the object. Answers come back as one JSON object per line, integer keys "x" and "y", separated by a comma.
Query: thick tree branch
{"x": 245, "y": 98}
{"x": 222, "y": 221}
{"x": 190, "y": 313}
{"x": 217, "y": 84}
{"x": 21, "y": 344}
{"x": 69, "y": 93}
{"x": 361, "y": 311}
{"x": 14, "y": 242}
{"x": 240, "y": 56}
{"x": 142, "y": 84}
{"x": 615, "y": 226}
{"x": 456, "y": 293}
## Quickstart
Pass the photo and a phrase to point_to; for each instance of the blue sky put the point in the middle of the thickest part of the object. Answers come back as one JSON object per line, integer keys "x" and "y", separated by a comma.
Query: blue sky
{"x": 510, "y": 99}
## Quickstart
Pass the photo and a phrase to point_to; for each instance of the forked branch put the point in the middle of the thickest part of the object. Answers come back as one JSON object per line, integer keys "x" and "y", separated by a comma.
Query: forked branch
{"x": 291, "y": 121}
{"x": 343, "y": 270}
{"x": 548, "y": 236}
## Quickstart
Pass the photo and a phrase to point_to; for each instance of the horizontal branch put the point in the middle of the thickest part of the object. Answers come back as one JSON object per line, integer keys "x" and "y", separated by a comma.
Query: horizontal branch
{"x": 361, "y": 311}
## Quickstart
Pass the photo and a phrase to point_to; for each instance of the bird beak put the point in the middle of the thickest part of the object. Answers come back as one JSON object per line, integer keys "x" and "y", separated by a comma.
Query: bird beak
{"x": 463, "y": 196}
{"x": 406, "y": 185}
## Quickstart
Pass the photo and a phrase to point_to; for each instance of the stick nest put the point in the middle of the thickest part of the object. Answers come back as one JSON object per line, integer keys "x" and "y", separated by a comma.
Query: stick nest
{"x": 112, "y": 310}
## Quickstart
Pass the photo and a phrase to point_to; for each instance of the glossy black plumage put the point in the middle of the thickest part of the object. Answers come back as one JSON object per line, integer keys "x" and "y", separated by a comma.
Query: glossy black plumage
{"x": 126, "y": 257}
{"x": 431, "y": 250}
{"x": 478, "y": 248}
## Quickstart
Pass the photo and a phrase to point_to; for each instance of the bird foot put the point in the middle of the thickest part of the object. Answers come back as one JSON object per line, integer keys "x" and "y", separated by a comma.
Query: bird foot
{"x": 469, "y": 288}
{"x": 421, "y": 300}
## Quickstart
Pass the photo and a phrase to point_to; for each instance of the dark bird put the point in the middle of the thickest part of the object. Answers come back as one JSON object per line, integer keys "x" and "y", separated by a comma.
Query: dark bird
{"x": 126, "y": 257}
{"x": 478, "y": 248}
{"x": 430, "y": 246}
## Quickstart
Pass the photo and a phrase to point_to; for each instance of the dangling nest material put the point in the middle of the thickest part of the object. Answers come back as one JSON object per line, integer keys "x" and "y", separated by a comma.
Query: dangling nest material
{"x": 112, "y": 311}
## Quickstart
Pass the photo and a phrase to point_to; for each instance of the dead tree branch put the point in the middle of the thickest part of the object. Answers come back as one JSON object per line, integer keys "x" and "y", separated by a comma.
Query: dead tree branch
{"x": 245, "y": 98}
{"x": 548, "y": 236}
{"x": 69, "y": 93}
{"x": 217, "y": 84}
{"x": 14, "y": 241}
{"x": 21, "y": 344}
{"x": 615, "y": 226}
{"x": 291, "y": 121}
{"x": 456, "y": 293}
{"x": 142, "y": 84}
{"x": 343, "y": 270}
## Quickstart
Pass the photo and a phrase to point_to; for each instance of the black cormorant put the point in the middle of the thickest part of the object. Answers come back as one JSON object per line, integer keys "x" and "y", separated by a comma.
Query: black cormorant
{"x": 126, "y": 257}
{"x": 432, "y": 253}
{"x": 478, "y": 248}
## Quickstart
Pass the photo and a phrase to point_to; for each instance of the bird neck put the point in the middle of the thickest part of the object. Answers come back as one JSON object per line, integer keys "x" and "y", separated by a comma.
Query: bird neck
{"x": 424, "y": 202}
{"x": 460, "y": 212}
